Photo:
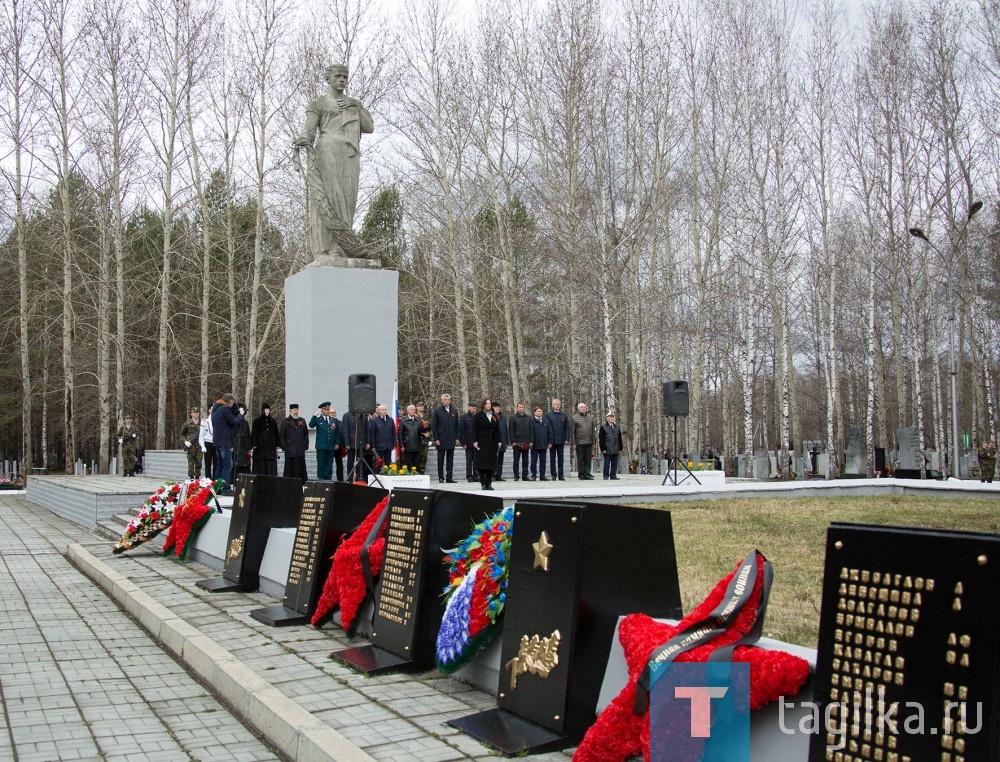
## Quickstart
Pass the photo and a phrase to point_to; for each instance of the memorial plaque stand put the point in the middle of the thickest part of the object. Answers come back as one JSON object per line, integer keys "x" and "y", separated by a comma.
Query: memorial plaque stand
{"x": 261, "y": 504}
{"x": 908, "y": 624}
{"x": 408, "y": 603}
{"x": 329, "y": 511}
{"x": 574, "y": 569}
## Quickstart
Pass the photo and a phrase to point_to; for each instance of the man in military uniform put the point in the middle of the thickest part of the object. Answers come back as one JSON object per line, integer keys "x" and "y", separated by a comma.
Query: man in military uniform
{"x": 190, "y": 432}
{"x": 129, "y": 444}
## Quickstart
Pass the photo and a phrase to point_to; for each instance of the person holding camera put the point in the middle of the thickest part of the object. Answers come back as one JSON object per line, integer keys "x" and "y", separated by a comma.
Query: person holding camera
{"x": 227, "y": 416}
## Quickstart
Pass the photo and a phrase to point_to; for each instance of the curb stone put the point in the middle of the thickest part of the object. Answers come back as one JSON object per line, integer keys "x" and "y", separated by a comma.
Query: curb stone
{"x": 283, "y": 722}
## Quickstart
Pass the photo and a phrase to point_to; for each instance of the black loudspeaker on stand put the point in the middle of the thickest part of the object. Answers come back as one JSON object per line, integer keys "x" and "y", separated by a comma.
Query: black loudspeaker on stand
{"x": 361, "y": 403}
{"x": 676, "y": 404}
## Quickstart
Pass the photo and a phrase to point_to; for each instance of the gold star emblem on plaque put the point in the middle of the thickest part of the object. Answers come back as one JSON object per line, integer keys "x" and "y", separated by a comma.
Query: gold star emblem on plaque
{"x": 542, "y": 549}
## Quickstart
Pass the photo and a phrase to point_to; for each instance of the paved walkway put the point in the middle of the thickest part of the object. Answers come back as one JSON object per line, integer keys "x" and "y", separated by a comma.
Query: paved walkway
{"x": 82, "y": 679}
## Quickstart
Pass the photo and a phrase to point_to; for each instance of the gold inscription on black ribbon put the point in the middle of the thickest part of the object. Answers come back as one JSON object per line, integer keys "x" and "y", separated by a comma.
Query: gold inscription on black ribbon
{"x": 403, "y": 544}
{"x": 307, "y": 538}
{"x": 536, "y": 656}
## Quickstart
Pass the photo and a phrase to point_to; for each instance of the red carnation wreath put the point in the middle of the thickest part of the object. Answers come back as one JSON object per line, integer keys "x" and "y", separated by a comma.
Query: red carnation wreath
{"x": 345, "y": 585}
{"x": 189, "y": 517}
{"x": 620, "y": 733}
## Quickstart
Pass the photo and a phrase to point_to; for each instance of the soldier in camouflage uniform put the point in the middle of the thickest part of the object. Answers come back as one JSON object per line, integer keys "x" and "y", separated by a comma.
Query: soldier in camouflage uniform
{"x": 129, "y": 444}
{"x": 189, "y": 442}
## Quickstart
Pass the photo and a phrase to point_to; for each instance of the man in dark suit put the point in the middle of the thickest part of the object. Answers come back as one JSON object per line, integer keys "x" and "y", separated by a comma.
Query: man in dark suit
{"x": 541, "y": 441}
{"x": 382, "y": 434}
{"x": 294, "y": 436}
{"x": 519, "y": 430}
{"x": 560, "y": 435}
{"x": 444, "y": 427}
{"x": 466, "y": 437}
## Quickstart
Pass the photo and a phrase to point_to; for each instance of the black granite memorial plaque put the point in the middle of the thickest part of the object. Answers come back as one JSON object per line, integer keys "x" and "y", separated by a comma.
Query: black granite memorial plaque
{"x": 408, "y": 601}
{"x": 574, "y": 569}
{"x": 907, "y": 664}
{"x": 330, "y": 510}
{"x": 261, "y": 503}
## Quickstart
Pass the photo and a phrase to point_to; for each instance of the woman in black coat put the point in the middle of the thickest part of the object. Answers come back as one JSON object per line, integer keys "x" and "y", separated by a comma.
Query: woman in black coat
{"x": 486, "y": 442}
{"x": 265, "y": 442}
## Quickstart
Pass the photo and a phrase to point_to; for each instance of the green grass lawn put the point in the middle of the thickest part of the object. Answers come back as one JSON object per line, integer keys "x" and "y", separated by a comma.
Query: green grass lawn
{"x": 711, "y": 537}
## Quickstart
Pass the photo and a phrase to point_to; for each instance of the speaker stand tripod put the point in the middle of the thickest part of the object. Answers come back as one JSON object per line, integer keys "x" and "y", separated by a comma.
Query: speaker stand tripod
{"x": 675, "y": 461}
{"x": 360, "y": 461}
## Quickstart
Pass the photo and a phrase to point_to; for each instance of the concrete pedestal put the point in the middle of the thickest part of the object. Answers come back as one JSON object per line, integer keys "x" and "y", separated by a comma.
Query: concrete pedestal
{"x": 338, "y": 321}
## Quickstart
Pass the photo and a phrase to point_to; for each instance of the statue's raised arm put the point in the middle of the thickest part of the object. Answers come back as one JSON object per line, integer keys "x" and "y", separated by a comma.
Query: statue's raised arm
{"x": 332, "y": 141}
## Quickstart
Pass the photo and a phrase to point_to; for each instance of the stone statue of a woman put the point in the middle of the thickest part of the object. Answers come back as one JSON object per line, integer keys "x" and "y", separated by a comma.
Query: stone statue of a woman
{"x": 332, "y": 140}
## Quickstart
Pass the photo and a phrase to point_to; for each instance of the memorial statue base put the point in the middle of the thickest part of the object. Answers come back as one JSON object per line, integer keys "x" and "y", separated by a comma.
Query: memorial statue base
{"x": 372, "y": 660}
{"x": 510, "y": 734}
{"x": 355, "y": 263}
{"x": 279, "y": 616}
{"x": 339, "y": 321}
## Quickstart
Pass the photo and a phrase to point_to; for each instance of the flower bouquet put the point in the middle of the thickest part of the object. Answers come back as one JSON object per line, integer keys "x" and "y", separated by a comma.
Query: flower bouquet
{"x": 157, "y": 513}
{"x": 476, "y": 591}
{"x": 345, "y": 585}
{"x": 397, "y": 470}
{"x": 190, "y": 516}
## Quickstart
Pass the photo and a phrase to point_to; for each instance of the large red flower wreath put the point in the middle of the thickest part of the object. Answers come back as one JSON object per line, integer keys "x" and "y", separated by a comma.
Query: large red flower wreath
{"x": 189, "y": 517}
{"x": 620, "y": 733}
{"x": 345, "y": 585}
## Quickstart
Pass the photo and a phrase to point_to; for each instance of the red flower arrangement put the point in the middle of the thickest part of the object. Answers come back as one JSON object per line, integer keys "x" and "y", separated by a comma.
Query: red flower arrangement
{"x": 345, "y": 585}
{"x": 620, "y": 733}
{"x": 189, "y": 517}
{"x": 157, "y": 512}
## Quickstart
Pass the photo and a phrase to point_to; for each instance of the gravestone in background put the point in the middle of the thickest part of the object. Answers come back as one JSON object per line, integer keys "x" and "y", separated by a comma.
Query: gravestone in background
{"x": 911, "y": 458}
{"x": 855, "y": 455}
{"x": 908, "y": 622}
{"x": 574, "y": 569}
{"x": 408, "y": 602}
{"x": 330, "y": 511}
{"x": 761, "y": 466}
{"x": 261, "y": 503}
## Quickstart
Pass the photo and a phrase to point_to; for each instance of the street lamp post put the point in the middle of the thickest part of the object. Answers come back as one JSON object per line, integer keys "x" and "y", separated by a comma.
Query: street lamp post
{"x": 953, "y": 319}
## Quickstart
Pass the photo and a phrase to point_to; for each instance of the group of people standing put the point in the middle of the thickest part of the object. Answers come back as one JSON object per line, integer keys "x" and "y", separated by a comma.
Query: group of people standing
{"x": 485, "y": 434}
{"x": 228, "y": 445}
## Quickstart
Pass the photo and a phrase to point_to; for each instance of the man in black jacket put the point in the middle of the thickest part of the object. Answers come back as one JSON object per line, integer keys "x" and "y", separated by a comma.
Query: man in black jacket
{"x": 560, "y": 435}
{"x": 444, "y": 428}
{"x": 226, "y": 419}
{"x": 466, "y": 437}
{"x": 541, "y": 441}
{"x": 610, "y": 442}
{"x": 294, "y": 436}
{"x": 410, "y": 431}
{"x": 519, "y": 429}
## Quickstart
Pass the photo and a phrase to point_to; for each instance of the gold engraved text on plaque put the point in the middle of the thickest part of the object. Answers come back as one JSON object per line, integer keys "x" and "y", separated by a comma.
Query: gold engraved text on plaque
{"x": 235, "y": 548}
{"x": 537, "y": 656}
